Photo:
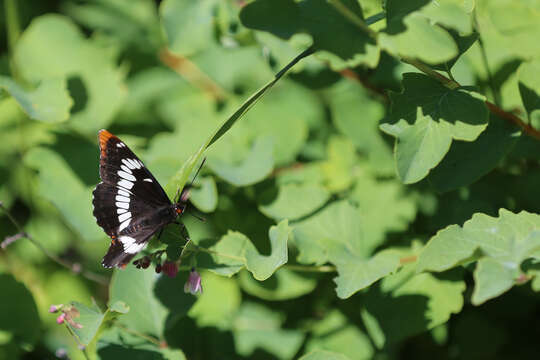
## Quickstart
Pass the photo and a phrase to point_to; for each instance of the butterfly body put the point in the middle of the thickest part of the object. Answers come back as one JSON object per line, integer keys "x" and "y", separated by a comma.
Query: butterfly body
{"x": 129, "y": 204}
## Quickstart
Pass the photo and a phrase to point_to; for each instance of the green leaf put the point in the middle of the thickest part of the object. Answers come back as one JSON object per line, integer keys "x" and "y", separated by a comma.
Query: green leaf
{"x": 450, "y": 14}
{"x": 406, "y": 304}
{"x": 218, "y": 303}
{"x": 467, "y": 162}
{"x": 529, "y": 85}
{"x": 323, "y": 355}
{"x": 73, "y": 58}
{"x": 330, "y": 30}
{"x": 336, "y": 235}
{"x": 235, "y": 250}
{"x": 335, "y": 333}
{"x": 283, "y": 285}
{"x": 419, "y": 147}
{"x": 425, "y": 118}
{"x": 147, "y": 314}
{"x": 49, "y": 102}
{"x": 499, "y": 244}
{"x": 59, "y": 185}
{"x": 204, "y": 196}
{"x": 189, "y": 25}
{"x": 294, "y": 201}
{"x": 258, "y": 327}
{"x": 18, "y": 314}
{"x": 258, "y": 165}
{"x": 422, "y": 40}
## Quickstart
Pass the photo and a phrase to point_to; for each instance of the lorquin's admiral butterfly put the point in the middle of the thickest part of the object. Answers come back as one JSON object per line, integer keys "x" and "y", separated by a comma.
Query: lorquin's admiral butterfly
{"x": 129, "y": 203}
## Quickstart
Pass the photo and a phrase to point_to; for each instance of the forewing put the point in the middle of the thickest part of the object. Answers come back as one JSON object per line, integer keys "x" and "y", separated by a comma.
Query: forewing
{"x": 120, "y": 167}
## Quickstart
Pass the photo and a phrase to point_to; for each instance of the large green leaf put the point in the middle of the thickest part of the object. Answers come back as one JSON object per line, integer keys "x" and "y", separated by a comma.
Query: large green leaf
{"x": 49, "y": 102}
{"x": 421, "y": 40}
{"x": 218, "y": 303}
{"x": 72, "y": 57}
{"x": 425, "y": 118}
{"x": 235, "y": 250}
{"x": 406, "y": 304}
{"x": 147, "y": 314}
{"x": 336, "y": 235}
{"x": 499, "y": 244}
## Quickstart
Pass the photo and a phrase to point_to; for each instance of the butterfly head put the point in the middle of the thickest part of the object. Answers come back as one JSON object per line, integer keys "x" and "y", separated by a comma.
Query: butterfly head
{"x": 180, "y": 208}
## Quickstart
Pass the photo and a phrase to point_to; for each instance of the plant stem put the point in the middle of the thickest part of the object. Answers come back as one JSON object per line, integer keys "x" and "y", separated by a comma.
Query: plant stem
{"x": 496, "y": 94}
{"x": 12, "y": 23}
{"x": 13, "y": 29}
{"x": 308, "y": 268}
{"x": 74, "y": 267}
{"x": 149, "y": 338}
{"x": 191, "y": 72}
{"x": 375, "y": 18}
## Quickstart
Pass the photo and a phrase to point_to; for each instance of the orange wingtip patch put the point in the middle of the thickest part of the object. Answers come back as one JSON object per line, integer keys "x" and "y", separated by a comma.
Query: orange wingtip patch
{"x": 103, "y": 137}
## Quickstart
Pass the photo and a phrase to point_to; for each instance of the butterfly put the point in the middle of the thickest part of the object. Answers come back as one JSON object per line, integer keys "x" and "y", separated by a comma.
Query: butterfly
{"x": 129, "y": 203}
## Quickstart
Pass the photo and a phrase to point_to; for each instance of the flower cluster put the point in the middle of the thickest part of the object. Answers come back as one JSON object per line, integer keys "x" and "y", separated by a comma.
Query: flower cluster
{"x": 170, "y": 268}
{"x": 68, "y": 314}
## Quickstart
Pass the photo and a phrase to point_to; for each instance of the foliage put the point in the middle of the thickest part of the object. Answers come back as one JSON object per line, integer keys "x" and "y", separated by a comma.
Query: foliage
{"x": 370, "y": 187}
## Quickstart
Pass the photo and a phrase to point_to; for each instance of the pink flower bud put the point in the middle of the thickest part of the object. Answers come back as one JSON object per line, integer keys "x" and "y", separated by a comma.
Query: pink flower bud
{"x": 170, "y": 268}
{"x": 193, "y": 284}
{"x": 60, "y": 319}
{"x": 55, "y": 308}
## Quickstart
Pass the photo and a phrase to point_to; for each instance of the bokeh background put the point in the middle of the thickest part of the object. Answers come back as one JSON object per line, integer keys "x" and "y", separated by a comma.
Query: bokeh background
{"x": 163, "y": 76}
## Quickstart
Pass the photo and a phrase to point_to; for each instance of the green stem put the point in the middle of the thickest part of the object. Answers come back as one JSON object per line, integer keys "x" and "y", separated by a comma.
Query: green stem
{"x": 151, "y": 339}
{"x": 13, "y": 29}
{"x": 12, "y": 23}
{"x": 307, "y": 268}
{"x": 491, "y": 82}
{"x": 375, "y": 18}
{"x": 449, "y": 83}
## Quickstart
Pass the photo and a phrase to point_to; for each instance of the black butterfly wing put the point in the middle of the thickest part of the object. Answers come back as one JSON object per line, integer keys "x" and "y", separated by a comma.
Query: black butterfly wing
{"x": 129, "y": 204}
{"x": 119, "y": 166}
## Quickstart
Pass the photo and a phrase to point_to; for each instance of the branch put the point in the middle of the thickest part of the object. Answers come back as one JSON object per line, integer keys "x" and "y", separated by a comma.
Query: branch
{"x": 191, "y": 72}
{"x": 74, "y": 267}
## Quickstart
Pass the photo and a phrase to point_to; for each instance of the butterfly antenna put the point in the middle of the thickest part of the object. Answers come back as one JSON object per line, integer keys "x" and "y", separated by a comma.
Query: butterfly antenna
{"x": 197, "y": 216}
